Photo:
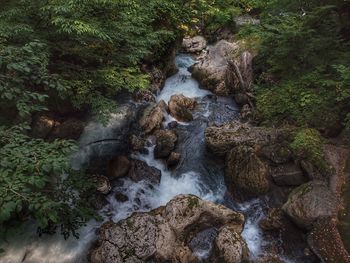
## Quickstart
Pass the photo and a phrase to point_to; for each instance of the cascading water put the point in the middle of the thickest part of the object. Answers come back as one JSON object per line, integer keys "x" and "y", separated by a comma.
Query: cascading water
{"x": 199, "y": 173}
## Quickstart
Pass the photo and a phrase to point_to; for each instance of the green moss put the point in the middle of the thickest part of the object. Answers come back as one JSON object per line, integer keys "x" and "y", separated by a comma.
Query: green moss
{"x": 308, "y": 144}
{"x": 193, "y": 202}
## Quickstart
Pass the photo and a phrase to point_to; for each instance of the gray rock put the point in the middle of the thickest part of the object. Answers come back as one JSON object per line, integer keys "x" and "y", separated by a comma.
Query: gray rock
{"x": 141, "y": 171}
{"x": 309, "y": 202}
{"x": 194, "y": 45}
{"x": 288, "y": 175}
{"x": 162, "y": 235}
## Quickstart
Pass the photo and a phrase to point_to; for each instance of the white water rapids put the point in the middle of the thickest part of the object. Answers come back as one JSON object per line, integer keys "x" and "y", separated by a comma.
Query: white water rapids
{"x": 29, "y": 248}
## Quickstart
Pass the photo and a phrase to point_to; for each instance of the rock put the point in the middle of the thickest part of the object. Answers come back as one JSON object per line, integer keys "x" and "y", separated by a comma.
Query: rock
{"x": 144, "y": 96}
{"x": 180, "y": 107}
{"x": 68, "y": 129}
{"x": 309, "y": 202}
{"x": 246, "y": 112}
{"x": 194, "y": 45}
{"x": 246, "y": 20}
{"x": 103, "y": 185}
{"x": 118, "y": 167}
{"x": 165, "y": 143}
{"x": 174, "y": 159}
{"x": 120, "y": 197}
{"x": 246, "y": 174}
{"x": 152, "y": 118}
{"x": 212, "y": 69}
{"x": 325, "y": 241}
{"x": 275, "y": 220}
{"x": 269, "y": 259}
{"x": 173, "y": 125}
{"x": 221, "y": 140}
{"x": 241, "y": 99}
{"x": 311, "y": 171}
{"x": 163, "y": 234}
{"x": 137, "y": 143}
{"x": 229, "y": 247}
{"x": 42, "y": 126}
{"x": 288, "y": 175}
{"x": 141, "y": 171}
{"x": 277, "y": 153}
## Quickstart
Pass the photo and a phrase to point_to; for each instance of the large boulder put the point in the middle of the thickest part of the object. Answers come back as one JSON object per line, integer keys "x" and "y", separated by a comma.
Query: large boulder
{"x": 141, "y": 171}
{"x": 42, "y": 126}
{"x": 50, "y": 127}
{"x": 212, "y": 69}
{"x": 163, "y": 235}
{"x": 326, "y": 242}
{"x": 71, "y": 128}
{"x": 180, "y": 107}
{"x": 165, "y": 143}
{"x": 310, "y": 202}
{"x": 220, "y": 140}
{"x": 194, "y": 45}
{"x": 214, "y": 72}
{"x": 118, "y": 167}
{"x": 245, "y": 173}
{"x": 289, "y": 174}
{"x": 152, "y": 117}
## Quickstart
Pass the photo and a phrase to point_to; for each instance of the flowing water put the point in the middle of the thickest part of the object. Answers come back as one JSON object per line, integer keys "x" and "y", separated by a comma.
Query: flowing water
{"x": 199, "y": 173}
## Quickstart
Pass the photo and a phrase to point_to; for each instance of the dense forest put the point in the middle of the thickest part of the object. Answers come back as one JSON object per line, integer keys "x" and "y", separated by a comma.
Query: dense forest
{"x": 75, "y": 58}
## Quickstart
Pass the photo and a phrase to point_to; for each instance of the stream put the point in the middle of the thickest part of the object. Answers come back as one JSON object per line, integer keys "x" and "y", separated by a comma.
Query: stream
{"x": 199, "y": 173}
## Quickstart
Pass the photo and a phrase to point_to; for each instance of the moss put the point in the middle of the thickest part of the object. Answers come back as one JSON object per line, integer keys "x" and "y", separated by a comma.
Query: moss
{"x": 308, "y": 145}
{"x": 193, "y": 202}
{"x": 130, "y": 223}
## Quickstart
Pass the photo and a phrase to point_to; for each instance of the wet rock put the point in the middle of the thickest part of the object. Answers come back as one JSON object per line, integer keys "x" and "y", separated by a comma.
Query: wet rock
{"x": 194, "y": 45}
{"x": 103, "y": 185}
{"x": 120, "y": 197}
{"x": 141, "y": 171}
{"x": 275, "y": 220}
{"x": 144, "y": 96}
{"x": 288, "y": 175}
{"x": 173, "y": 125}
{"x": 68, "y": 129}
{"x": 212, "y": 69}
{"x": 325, "y": 241}
{"x": 163, "y": 234}
{"x": 180, "y": 107}
{"x": 137, "y": 143}
{"x": 229, "y": 247}
{"x": 246, "y": 174}
{"x": 173, "y": 159}
{"x": 222, "y": 139}
{"x": 152, "y": 118}
{"x": 165, "y": 143}
{"x": 309, "y": 202}
{"x": 118, "y": 167}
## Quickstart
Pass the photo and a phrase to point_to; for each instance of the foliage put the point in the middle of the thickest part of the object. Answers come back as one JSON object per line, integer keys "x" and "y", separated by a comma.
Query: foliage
{"x": 303, "y": 63}
{"x": 36, "y": 180}
{"x": 308, "y": 144}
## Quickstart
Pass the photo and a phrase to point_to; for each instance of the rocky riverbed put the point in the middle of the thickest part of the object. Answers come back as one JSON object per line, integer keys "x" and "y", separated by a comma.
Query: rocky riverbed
{"x": 186, "y": 177}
